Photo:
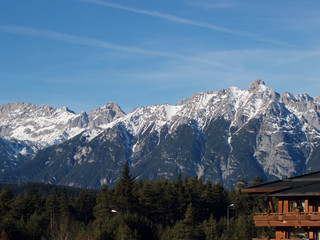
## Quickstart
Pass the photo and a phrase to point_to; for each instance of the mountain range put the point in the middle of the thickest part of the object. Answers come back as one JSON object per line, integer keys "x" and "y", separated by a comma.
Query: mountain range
{"x": 221, "y": 136}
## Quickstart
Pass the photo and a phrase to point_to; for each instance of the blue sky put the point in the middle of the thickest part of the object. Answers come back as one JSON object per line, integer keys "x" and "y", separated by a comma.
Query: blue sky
{"x": 85, "y": 53}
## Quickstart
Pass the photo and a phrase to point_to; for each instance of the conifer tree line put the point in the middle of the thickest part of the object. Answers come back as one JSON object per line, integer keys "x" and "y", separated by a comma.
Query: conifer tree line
{"x": 185, "y": 208}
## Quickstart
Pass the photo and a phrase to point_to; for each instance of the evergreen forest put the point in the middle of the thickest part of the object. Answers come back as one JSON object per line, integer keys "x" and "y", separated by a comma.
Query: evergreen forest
{"x": 184, "y": 208}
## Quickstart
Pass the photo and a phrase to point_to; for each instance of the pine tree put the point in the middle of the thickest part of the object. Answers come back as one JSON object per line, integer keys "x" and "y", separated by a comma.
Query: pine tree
{"x": 256, "y": 181}
{"x": 168, "y": 203}
{"x": 36, "y": 226}
{"x": 64, "y": 204}
{"x": 123, "y": 192}
{"x": 26, "y": 205}
{"x": 180, "y": 201}
{"x": 146, "y": 200}
{"x": 12, "y": 228}
{"x": 52, "y": 208}
{"x": 6, "y": 200}
{"x": 102, "y": 210}
{"x": 242, "y": 184}
{"x": 84, "y": 205}
{"x": 207, "y": 201}
{"x": 242, "y": 229}
{"x": 220, "y": 200}
{"x": 187, "y": 228}
{"x": 210, "y": 229}
{"x": 125, "y": 233}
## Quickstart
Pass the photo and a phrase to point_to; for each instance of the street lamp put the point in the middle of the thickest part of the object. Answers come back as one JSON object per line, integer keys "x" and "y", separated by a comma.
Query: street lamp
{"x": 231, "y": 205}
{"x": 114, "y": 211}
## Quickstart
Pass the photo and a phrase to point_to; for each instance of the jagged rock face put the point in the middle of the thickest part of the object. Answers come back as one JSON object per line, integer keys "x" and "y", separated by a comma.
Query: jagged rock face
{"x": 42, "y": 125}
{"x": 219, "y": 136}
{"x": 32, "y": 128}
{"x": 45, "y": 126}
{"x": 104, "y": 115}
{"x": 13, "y": 153}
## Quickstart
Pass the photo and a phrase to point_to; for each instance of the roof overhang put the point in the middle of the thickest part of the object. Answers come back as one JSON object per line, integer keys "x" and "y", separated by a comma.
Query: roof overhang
{"x": 262, "y": 190}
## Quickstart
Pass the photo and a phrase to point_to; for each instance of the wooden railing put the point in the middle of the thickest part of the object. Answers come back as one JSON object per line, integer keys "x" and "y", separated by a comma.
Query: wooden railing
{"x": 288, "y": 219}
{"x": 294, "y": 238}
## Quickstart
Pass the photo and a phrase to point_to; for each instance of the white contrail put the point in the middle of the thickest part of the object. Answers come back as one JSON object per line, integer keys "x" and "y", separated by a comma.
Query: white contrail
{"x": 63, "y": 37}
{"x": 188, "y": 22}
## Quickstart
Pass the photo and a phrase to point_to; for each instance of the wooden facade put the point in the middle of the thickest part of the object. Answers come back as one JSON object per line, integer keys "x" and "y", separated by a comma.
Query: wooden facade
{"x": 297, "y": 212}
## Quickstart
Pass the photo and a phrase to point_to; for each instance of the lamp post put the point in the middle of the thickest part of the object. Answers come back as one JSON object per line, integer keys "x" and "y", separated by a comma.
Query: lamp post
{"x": 228, "y": 218}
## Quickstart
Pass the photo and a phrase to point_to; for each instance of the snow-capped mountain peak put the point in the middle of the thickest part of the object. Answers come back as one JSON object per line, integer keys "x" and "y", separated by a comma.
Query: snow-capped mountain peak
{"x": 219, "y": 135}
{"x": 45, "y": 125}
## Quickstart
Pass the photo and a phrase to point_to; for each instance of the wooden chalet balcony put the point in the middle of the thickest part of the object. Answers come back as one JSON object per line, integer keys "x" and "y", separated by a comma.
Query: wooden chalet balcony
{"x": 289, "y": 219}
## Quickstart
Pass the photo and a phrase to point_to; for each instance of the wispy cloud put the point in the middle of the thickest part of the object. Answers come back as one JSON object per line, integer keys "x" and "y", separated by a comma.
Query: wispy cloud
{"x": 63, "y": 37}
{"x": 53, "y": 35}
{"x": 207, "y": 4}
{"x": 186, "y": 21}
{"x": 292, "y": 57}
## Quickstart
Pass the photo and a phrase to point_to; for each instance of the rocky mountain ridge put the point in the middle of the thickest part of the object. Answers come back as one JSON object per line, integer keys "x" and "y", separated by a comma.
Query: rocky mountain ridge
{"x": 46, "y": 126}
{"x": 219, "y": 136}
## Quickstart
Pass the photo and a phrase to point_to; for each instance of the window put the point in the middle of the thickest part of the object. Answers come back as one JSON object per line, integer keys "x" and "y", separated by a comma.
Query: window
{"x": 293, "y": 205}
{"x": 303, "y": 205}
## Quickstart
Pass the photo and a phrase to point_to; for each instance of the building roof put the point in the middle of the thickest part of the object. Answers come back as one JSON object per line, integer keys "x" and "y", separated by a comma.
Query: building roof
{"x": 307, "y": 184}
{"x": 312, "y": 189}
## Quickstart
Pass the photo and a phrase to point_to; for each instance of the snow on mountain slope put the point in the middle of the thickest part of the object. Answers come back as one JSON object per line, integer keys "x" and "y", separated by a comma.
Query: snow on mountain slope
{"x": 233, "y": 104}
{"x": 283, "y": 118}
{"x": 44, "y": 126}
{"x": 231, "y": 130}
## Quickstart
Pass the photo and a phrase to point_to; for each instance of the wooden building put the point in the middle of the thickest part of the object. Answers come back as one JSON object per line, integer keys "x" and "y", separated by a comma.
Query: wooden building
{"x": 294, "y": 206}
